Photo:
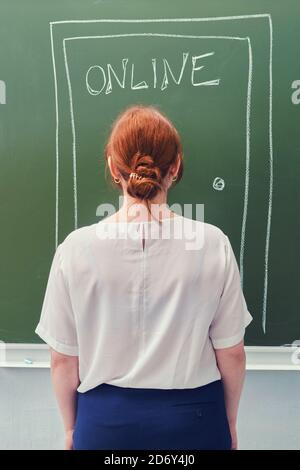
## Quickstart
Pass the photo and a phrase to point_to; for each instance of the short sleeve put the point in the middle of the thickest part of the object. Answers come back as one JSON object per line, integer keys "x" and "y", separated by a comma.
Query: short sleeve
{"x": 232, "y": 316}
{"x": 57, "y": 323}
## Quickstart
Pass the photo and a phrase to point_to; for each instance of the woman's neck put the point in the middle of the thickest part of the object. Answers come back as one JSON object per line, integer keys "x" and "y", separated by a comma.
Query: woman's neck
{"x": 132, "y": 209}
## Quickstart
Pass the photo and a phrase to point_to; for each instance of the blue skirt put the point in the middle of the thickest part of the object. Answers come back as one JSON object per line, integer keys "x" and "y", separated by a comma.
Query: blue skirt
{"x": 117, "y": 418}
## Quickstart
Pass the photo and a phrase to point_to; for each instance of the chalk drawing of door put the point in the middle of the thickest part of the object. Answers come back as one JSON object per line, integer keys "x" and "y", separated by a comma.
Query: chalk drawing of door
{"x": 211, "y": 104}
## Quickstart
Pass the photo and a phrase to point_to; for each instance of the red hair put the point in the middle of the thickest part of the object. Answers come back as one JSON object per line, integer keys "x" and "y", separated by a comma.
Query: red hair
{"x": 144, "y": 141}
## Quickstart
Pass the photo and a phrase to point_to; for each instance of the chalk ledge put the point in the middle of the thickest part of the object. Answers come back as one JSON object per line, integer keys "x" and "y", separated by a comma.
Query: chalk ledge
{"x": 37, "y": 356}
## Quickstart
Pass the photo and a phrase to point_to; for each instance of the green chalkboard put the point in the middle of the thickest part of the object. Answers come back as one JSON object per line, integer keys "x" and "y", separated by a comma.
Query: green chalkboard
{"x": 227, "y": 74}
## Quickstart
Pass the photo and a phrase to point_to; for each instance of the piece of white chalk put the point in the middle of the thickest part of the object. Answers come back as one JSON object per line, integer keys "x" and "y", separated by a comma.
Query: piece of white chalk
{"x": 27, "y": 360}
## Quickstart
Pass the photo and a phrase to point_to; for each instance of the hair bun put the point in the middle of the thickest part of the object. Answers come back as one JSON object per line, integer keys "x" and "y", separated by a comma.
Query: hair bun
{"x": 149, "y": 182}
{"x": 144, "y": 141}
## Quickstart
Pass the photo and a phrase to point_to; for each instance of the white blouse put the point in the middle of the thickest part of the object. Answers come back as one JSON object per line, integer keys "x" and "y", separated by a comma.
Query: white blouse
{"x": 144, "y": 305}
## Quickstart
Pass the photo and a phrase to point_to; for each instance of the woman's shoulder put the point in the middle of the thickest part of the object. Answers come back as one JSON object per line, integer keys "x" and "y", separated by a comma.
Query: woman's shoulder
{"x": 79, "y": 237}
{"x": 210, "y": 230}
{"x": 214, "y": 231}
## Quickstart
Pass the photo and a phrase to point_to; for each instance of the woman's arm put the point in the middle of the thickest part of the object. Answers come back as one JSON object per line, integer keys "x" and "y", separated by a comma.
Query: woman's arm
{"x": 65, "y": 380}
{"x": 232, "y": 365}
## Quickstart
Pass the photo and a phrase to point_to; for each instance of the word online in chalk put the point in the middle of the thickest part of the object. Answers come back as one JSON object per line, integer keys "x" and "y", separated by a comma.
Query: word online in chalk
{"x": 103, "y": 78}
